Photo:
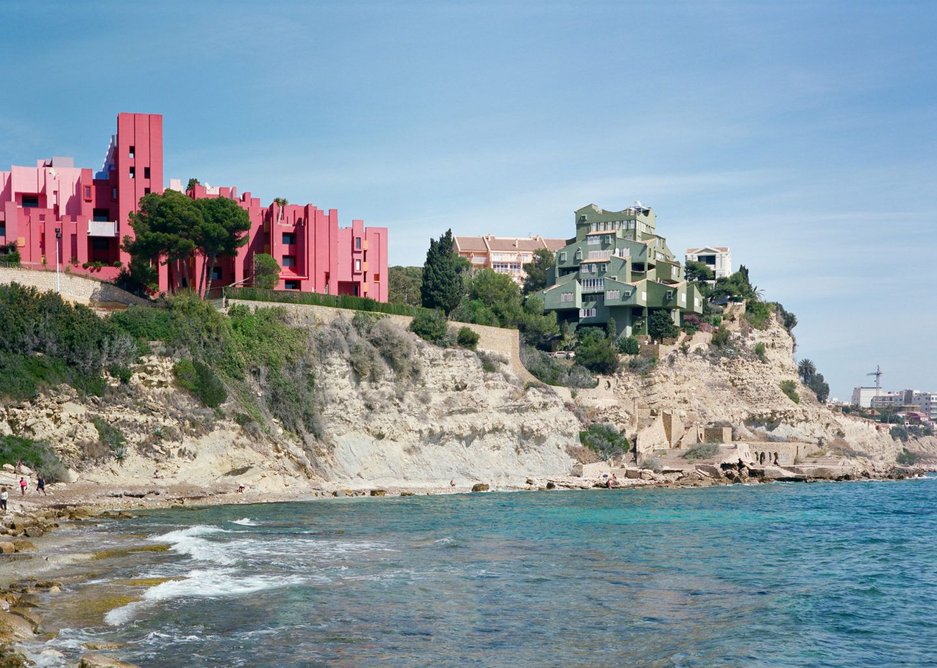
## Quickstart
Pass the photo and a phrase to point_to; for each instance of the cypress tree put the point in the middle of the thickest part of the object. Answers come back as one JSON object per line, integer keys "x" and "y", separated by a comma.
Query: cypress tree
{"x": 442, "y": 286}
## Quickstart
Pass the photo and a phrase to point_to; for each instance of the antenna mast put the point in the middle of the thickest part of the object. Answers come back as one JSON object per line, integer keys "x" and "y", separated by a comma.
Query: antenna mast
{"x": 878, "y": 374}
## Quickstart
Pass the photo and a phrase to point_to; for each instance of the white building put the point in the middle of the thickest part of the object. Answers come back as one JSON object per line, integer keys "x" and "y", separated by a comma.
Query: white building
{"x": 862, "y": 396}
{"x": 717, "y": 258}
{"x": 924, "y": 402}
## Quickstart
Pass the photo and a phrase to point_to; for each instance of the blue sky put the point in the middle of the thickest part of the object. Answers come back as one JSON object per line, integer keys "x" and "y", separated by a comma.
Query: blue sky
{"x": 801, "y": 134}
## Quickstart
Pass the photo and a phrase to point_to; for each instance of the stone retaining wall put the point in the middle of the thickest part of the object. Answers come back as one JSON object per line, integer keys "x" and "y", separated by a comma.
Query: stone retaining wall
{"x": 77, "y": 289}
{"x": 495, "y": 340}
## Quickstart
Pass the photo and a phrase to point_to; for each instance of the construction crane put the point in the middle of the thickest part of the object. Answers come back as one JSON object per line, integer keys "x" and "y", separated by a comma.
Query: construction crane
{"x": 878, "y": 374}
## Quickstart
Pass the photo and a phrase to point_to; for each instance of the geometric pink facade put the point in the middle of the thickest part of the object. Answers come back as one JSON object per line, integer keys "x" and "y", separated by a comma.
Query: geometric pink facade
{"x": 90, "y": 211}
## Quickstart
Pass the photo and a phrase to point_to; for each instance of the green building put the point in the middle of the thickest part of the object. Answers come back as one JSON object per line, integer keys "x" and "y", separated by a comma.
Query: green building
{"x": 618, "y": 267}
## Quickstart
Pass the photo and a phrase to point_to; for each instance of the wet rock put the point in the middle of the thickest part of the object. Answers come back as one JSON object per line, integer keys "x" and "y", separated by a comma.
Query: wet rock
{"x": 34, "y": 531}
{"x": 14, "y": 627}
{"x": 102, "y": 661}
{"x": 29, "y": 615}
{"x": 480, "y": 487}
{"x": 378, "y": 492}
{"x": 406, "y": 493}
{"x": 24, "y": 545}
{"x": 551, "y": 485}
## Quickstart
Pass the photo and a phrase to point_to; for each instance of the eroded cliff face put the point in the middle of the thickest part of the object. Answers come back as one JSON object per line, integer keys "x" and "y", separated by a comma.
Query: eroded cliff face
{"x": 455, "y": 421}
{"x": 411, "y": 415}
{"x": 444, "y": 418}
{"x": 732, "y": 386}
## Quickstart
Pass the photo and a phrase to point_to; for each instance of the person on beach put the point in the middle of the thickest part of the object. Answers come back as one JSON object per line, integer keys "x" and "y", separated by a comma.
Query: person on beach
{"x": 23, "y": 486}
{"x": 4, "y": 495}
{"x": 40, "y": 485}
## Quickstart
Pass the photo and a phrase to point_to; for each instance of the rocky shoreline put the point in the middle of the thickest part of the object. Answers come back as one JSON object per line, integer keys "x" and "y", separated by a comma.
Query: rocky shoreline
{"x": 31, "y": 556}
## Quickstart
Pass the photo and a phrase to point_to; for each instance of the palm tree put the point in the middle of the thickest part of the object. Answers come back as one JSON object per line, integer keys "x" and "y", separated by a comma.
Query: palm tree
{"x": 806, "y": 369}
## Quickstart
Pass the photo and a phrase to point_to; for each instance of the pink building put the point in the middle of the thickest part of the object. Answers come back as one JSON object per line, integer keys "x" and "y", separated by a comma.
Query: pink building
{"x": 90, "y": 213}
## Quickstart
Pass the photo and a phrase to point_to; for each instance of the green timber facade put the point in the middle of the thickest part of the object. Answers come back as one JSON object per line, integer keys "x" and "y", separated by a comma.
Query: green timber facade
{"x": 618, "y": 268}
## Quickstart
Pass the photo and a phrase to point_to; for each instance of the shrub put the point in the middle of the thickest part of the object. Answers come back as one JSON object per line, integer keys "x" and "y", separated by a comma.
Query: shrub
{"x": 721, "y": 337}
{"x": 605, "y": 440}
{"x": 111, "y": 437}
{"x": 467, "y": 338}
{"x": 431, "y": 326}
{"x": 32, "y": 322}
{"x": 629, "y": 346}
{"x": 701, "y": 451}
{"x": 200, "y": 380}
{"x": 553, "y": 371}
{"x": 758, "y": 314}
{"x": 789, "y": 387}
{"x": 653, "y": 463}
{"x": 36, "y": 455}
{"x": 595, "y": 351}
{"x": 9, "y": 254}
{"x": 395, "y": 348}
{"x": 760, "y": 352}
{"x": 23, "y": 376}
{"x": 660, "y": 325}
{"x": 906, "y": 457}
{"x": 642, "y": 365}
{"x": 489, "y": 362}
{"x": 365, "y": 361}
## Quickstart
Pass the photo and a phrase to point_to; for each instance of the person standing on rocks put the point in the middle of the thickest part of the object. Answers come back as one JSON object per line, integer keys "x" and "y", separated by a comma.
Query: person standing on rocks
{"x": 40, "y": 484}
{"x": 23, "y": 485}
{"x": 4, "y": 495}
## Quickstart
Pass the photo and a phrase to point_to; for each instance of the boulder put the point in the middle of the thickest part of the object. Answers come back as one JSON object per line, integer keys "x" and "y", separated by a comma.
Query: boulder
{"x": 34, "y": 531}
{"x": 551, "y": 485}
{"x": 28, "y": 615}
{"x": 15, "y": 626}
{"x": 480, "y": 487}
{"x": 711, "y": 470}
{"x": 8, "y": 468}
{"x": 378, "y": 492}
{"x": 102, "y": 661}
{"x": 7, "y": 548}
{"x": 24, "y": 545}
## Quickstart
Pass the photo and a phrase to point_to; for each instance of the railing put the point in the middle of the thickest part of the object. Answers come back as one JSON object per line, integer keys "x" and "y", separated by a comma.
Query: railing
{"x": 102, "y": 228}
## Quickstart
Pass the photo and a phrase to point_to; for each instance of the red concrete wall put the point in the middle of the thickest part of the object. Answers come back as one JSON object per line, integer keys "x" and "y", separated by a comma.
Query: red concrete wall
{"x": 324, "y": 257}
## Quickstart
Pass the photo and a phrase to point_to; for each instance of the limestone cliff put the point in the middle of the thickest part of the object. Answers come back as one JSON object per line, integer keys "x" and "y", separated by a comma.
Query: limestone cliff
{"x": 449, "y": 415}
{"x": 697, "y": 384}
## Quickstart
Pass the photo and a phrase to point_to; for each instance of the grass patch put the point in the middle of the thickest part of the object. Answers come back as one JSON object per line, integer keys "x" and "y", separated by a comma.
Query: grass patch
{"x": 200, "y": 380}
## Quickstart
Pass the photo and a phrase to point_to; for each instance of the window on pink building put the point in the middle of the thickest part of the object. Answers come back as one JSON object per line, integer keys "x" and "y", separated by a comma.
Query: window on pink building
{"x": 357, "y": 265}
{"x": 30, "y": 201}
{"x": 88, "y": 193}
{"x": 377, "y": 278}
{"x": 289, "y": 260}
{"x": 291, "y": 285}
{"x": 146, "y": 172}
{"x": 357, "y": 243}
{"x": 289, "y": 238}
{"x": 133, "y": 172}
{"x": 133, "y": 150}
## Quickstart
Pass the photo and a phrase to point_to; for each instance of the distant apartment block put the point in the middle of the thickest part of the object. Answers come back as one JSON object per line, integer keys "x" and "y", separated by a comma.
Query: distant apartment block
{"x": 505, "y": 255}
{"x": 862, "y": 396}
{"x": 84, "y": 216}
{"x": 717, "y": 258}
{"x": 618, "y": 267}
{"x": 913, "y": 400}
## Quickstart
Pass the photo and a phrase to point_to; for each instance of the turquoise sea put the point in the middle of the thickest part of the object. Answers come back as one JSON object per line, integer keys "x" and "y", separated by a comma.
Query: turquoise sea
{"x": 839, "y": 574}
